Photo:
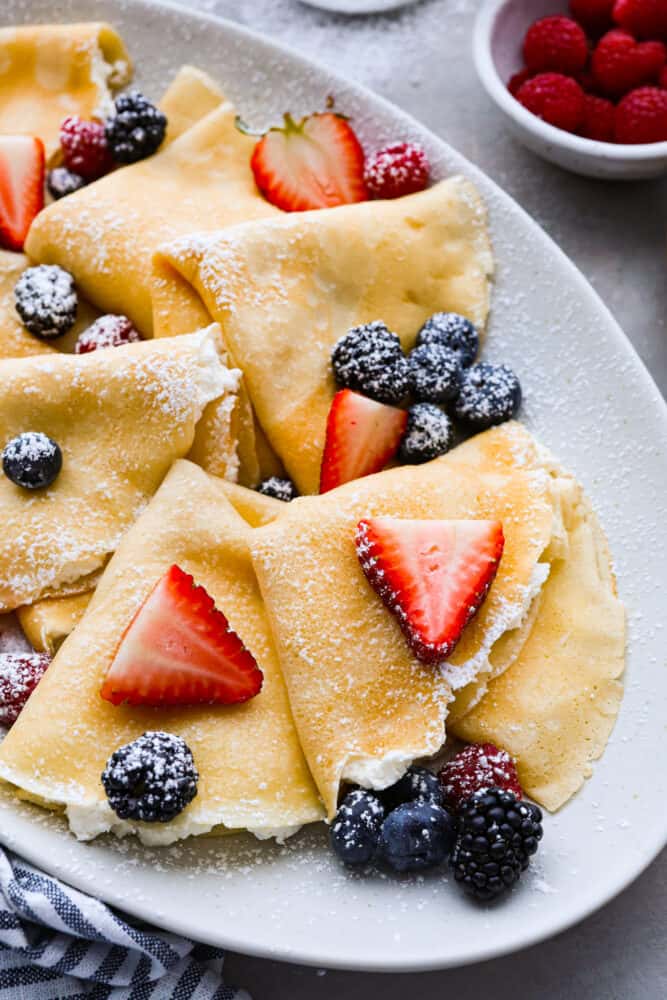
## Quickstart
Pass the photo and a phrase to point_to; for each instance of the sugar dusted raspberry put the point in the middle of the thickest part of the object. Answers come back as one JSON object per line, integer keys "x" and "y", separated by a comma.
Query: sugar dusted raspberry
{"x": 642, "y": 116}
{"x": 107, "y": 331}
{"x": 477, "y": 766}
{"x": 619, "y": 63}
{"x": 555, "y": 98}
{"x": 555, "y": 43}
{"x": 20, "y": 673}
{"x": 599, "y": 118}
{"x": 644, "y": 18}
{"x": 517, "y": 80}
{"x": 84, "y": 146}
{"x": 399, "y": 169}
{"x": 593, "y": 15}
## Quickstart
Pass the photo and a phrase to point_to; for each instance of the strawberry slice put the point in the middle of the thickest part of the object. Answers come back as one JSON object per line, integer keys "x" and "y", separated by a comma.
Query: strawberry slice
{"x": 433, "y": 575}
{"x": 180, "y": 650}
{"x": 315, "y": 163}
{"x": 21, "y": 187}
{"x": 362, "y": 436}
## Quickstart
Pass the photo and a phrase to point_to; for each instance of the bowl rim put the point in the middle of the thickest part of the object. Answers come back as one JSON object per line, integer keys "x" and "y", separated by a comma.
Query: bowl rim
{"x": 496, "y": 89}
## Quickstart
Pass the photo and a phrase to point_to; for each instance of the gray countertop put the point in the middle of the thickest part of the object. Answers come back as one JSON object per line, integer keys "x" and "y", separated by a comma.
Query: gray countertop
{"x": 419, "y": 58}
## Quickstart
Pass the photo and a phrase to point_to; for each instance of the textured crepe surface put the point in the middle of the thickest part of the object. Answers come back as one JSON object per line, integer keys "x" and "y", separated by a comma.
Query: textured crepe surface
{"x": 252, "y": 771}
{"x": 49, "y": 71}
{"x": 121, "y": 417}
{"x": 47, "y": 623}
{"x": 359, "y": 697}
{"x": 285, "y": 289}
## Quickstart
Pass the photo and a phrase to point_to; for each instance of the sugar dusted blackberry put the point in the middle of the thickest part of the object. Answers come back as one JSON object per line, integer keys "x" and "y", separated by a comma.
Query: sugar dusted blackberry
{"x": 429, "y": 433}
{"x": 416, "y": 836}
{"x": 20, "y": 673}
{"x": 278, "y": 488}
{"x": 60, "y": 181}
{"x": 32, "y": 460}
{"x": 107, "y": 331}
{"x": 498, "y": 835}
{"x": 435, "y": 373}
{"x": 355, "y": 831}
{"x": 416, "y": 783}
{"x": 46, "y": 300}
{"x": 369, "y": 359}
{"x": 490, "y": 394}
{"x": 151, "y": 779}
{"x": 136, "y": 129}
{"x": 453, "y": 331}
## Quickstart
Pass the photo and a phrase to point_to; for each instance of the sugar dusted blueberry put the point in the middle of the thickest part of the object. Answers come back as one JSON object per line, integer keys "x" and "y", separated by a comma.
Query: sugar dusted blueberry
{"x": 355, "y": 831}
{"x": 32, "y": 460}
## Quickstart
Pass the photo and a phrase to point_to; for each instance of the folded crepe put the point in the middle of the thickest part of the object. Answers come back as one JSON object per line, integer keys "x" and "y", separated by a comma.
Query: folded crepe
{"x": 188, "y": 98}
{"x": 50, "y": 71}
{"x": 252, "y": 771}
{"x": 363, "y": 705}
{"x": 285, "y": 289}
{"x": 121, "y": 417}
{"x": 47, "y": 623}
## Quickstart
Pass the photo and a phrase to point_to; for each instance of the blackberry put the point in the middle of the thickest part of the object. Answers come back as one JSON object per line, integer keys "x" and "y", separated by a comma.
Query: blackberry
{"x": 278, "y": 488}
{"x": 46, "y": 300}
{"x": 136, "y": 129}
{"x": 151, "y": 779}
{"x": 429, "y": 433}
{"x": 416, "y": 836}
{"x": 453, "y": 331}
{"x": 355, "y": 831}
{"x": 60, "y": 181}
{"x": 498, "y": 834}
{"x": 435, "y": 373}
{"x": 416, "y": 783}
{"x": 32, "y": 460}
{"x": 490, "y": 394}
{"x": 370, "y": 360}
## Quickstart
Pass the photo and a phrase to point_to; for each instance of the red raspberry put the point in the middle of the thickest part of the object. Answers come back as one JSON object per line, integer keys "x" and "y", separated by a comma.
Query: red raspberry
{"x": 598, "y": 120}
{"x": 557, "y": 99}
{"x": 620, "y": 63}
{"x": 517, "y": 79}
{"x": 84, "y": 146}
{"x": 399, "y": 169}
{"x": 642, "y": 116}
{"x": 555, "y": 43}
{"x": 594, "y": 15}
{"x": 479, "y": 765}
{"x": 20, "y": 673}
{"x": 644, "y": 18}
{"x": 107, "y": 331}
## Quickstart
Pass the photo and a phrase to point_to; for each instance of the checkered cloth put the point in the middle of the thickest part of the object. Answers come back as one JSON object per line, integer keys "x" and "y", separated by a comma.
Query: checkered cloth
{"x": 59, "y": 944}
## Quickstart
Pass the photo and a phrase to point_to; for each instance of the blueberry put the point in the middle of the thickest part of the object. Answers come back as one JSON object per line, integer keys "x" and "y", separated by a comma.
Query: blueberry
{"x": 278, "y": 488}
{"x": 416, "y": 783}
{"x": 453, "y": 331}
{"x": 429, "y": 433}
{"x": 435, "y": 373}
{"x": 369, "y": 359}
{"x": 60, "y": 181}
{"x": 46, "y": 300}
{"x": 355, "y": 830}
{"x": 490, "y": 394}
{"x": 416, "y": 836}
{"x": 32, "y": 460}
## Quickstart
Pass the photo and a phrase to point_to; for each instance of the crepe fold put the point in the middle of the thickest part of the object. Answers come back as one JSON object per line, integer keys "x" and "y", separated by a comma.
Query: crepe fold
{"x": 285, "y": 289}
{"x": 121, "y": 417}
{"x": 252, "y": 772}
{"x": 50, "y": 71}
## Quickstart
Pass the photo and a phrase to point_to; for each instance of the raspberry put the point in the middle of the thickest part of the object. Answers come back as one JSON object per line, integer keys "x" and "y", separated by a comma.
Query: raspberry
{"x": 477, "y": 766}
{"x": 557, "y": 99}
{"x": 20, "y": 673}
{"x": 399, "y": 169}
{"x": 555, "y": 43}
{"x": 594, "y": 15}
{"x": 644, "y": 18}
{"x": 642, "y": 116}
{"x": 84, "y": 147}
{"x": 107, "y": 331}
{"x": 619, "y": 63}
{"x": 517, "y": 80}
{"x": 598, "y": 120}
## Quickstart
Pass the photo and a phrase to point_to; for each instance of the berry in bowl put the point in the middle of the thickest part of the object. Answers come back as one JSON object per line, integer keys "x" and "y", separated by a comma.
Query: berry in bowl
{"x": 584, "y": 85}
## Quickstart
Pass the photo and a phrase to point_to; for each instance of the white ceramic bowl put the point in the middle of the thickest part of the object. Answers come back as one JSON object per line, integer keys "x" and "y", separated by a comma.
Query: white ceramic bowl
{"x": 499, "y": 31}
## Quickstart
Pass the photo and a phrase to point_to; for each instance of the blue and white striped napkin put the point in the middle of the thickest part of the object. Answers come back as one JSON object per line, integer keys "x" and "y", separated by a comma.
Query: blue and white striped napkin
{"x": 58, "y": 944}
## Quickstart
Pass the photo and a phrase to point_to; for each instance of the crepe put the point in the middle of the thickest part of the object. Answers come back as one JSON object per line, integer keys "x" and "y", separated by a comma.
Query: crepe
{"x": 47, "y": 623}
{"x": 363, "y": 705}
{"x": 188, "y": 98}
{"x": 121, "y": 417}
{"x": 252, "y": 772}
{"x": 50, "y": 71}
{"x": 285, "y": 289}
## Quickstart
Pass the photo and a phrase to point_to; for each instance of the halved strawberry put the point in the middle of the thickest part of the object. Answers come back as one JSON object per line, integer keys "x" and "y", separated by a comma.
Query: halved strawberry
{"x": 21, "y": 187}
{"x": 315, "y": 163}
{"x": 362, "y": 436}
{"x": 433, "y": 575}
{"x": 180, "y": 650}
